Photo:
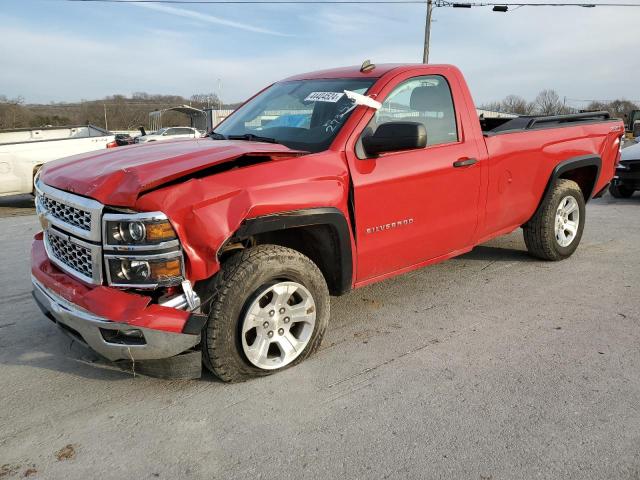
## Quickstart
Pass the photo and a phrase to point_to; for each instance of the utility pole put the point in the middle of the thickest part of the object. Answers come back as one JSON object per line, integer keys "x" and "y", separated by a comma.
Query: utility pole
{"x": 106, "y": 125}
{"x": 427, "y": 32}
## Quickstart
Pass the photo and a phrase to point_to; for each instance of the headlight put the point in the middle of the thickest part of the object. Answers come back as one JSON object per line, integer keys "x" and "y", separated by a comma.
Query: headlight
{"x": 148, "y": 271}
{"x": 129, "y": 232}
{"x": 142, "y": 250}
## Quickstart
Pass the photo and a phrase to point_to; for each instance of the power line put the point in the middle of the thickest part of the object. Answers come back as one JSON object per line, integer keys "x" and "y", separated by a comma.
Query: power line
{"x": 437, "y": 3}
{"x": 584, "y": 5}
{"x": 257, "y": 2}
{"x": 431, "y": 4}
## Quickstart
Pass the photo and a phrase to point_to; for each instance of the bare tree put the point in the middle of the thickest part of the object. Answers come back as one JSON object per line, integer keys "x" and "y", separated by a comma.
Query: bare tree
{"x": 548, "y": 103}
{"x": 205, "y": 100}
{"x": 510, "y": 104}
{"x": 13, "y": 114}
{"x": 516, "y": 104}
{"x": 491, "y": 106}
{"x": 596, "y": 106}
{"x": 618, "y": 108}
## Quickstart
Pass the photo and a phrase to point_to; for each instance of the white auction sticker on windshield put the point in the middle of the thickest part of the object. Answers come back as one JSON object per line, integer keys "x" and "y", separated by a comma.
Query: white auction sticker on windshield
{"x": 331, "y": 97}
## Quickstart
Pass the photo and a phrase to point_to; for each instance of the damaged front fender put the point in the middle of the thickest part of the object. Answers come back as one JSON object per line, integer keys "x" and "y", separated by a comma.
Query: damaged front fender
{"x": 207, "y": 210}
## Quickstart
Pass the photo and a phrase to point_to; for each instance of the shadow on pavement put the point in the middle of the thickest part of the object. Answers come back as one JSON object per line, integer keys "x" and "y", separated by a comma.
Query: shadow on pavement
{"x": 489, "y": 253}
{"x": 16, "y": 205}
{"x": 608, "y": 199}
{"x": 53, "y": 350}
{"x": 60, "y": 354}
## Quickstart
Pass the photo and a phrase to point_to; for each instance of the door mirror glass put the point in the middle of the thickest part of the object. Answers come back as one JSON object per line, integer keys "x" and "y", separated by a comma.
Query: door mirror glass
{"x": 395, "y": 136}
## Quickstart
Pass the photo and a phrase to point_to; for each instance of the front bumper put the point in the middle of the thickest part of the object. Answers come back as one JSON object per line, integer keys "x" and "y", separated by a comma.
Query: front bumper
{"x": 110, "y": 338}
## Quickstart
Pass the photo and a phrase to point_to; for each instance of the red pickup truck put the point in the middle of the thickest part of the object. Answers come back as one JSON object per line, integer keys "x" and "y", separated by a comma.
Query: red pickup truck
{"x": 225, "y": 250}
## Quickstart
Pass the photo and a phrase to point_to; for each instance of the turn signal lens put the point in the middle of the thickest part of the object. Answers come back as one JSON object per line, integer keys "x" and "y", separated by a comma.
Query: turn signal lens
{"x": 160, "y": 232}
{"x": 166, "y": 270}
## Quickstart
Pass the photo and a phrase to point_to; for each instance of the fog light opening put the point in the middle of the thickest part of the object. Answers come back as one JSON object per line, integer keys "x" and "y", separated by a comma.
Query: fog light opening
{"x": 123, "y": 337}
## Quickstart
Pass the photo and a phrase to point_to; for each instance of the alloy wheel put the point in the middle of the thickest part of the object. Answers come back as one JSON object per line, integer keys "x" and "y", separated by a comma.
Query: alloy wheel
{"x": 567, "y": 221}
{"x": 278, "y": 325}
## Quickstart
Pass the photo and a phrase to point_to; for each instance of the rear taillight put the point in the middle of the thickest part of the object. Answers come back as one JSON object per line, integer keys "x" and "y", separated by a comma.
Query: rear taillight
{"x": 113, "y": 144}
{"x": 619, "y": 154}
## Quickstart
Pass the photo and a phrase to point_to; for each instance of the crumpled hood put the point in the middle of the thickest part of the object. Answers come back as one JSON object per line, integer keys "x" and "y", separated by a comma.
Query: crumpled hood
{"x": 118, "y": 176}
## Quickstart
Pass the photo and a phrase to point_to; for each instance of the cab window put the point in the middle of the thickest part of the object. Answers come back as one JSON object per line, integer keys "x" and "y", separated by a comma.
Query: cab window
{"x": 425, "y": 99}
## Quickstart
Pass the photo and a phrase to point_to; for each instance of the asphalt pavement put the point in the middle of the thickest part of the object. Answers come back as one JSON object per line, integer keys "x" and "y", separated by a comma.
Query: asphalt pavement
{"x": 488, "y": 366}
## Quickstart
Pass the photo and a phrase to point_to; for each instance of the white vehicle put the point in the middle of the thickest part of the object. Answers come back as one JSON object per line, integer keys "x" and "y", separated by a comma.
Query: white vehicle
{"x": 23, "y": 151}
{"x": 169, "y": 133}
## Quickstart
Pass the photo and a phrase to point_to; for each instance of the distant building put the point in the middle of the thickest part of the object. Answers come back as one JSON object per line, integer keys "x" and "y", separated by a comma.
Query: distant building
{"x": 493, "y": 114}
{"x": 197, "y": 117}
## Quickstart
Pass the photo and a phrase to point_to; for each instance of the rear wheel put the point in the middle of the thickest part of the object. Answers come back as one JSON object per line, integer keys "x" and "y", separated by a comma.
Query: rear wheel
{"x": 556, "y": 228}
{"x": 269, "y": 311}
{"x": 620, "y": 191}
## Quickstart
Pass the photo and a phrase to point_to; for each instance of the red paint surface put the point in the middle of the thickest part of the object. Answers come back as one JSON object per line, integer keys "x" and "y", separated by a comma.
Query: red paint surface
{"x": 118, "y": 176}
{"x": 452, "y": 209}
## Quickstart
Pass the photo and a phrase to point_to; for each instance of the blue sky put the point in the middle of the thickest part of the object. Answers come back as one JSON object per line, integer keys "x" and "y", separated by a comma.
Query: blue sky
{"x": 65, "y": 51}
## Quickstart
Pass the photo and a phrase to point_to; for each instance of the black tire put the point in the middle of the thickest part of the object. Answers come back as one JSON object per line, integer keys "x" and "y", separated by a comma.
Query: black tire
{"x": 235, "y": 287}
{"x": 539, "y": 232}
{"x": 620, "y": 191}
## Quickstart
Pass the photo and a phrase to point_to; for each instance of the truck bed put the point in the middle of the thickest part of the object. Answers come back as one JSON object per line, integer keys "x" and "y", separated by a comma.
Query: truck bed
{"x": 23, "y": 151}
{"x": 522, "y": 159}
{"x": 495, "y": 126}
{"x": 46, "y": 134}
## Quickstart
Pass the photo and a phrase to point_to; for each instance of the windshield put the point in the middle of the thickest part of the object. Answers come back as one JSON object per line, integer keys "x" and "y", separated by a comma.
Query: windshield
{"x": 301, "y": 114}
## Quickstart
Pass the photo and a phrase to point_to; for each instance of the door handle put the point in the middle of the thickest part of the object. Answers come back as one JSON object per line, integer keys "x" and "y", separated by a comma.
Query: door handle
{"x": 465, "y": 162}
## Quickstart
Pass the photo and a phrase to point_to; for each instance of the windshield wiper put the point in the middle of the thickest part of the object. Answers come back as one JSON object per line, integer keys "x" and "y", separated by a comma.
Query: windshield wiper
{"x": 216, "y": 136}
{"x": 252, "y": 138}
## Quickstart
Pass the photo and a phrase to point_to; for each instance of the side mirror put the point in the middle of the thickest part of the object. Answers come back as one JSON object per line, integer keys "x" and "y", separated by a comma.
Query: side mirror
{"x": 395, "y": 136}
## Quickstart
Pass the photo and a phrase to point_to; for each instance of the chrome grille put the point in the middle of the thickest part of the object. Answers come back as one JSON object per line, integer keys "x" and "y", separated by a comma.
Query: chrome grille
{"x": 72, "y": 255}
{"x": 81, "y": 259}
{"x": 68, "y": 214}
{"x": 72, "y": 227}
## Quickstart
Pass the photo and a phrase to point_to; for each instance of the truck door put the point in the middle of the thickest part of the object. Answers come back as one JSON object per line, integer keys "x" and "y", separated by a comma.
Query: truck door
{"x": 416, "y": 205}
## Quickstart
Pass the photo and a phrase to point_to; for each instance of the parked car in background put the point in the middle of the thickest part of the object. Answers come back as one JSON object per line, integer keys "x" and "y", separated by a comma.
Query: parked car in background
{"x": 169, "y": 133}
{"x": 23, "y": 151}
{"x": 123, "y": 139}
{"x": 627, "y": 176}
{"x": 225, "y": 250}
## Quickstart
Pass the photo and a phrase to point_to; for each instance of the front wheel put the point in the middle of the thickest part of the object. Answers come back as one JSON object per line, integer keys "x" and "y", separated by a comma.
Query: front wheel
{"x": 269, "y": 311}
{"x": 556, "y": 228}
